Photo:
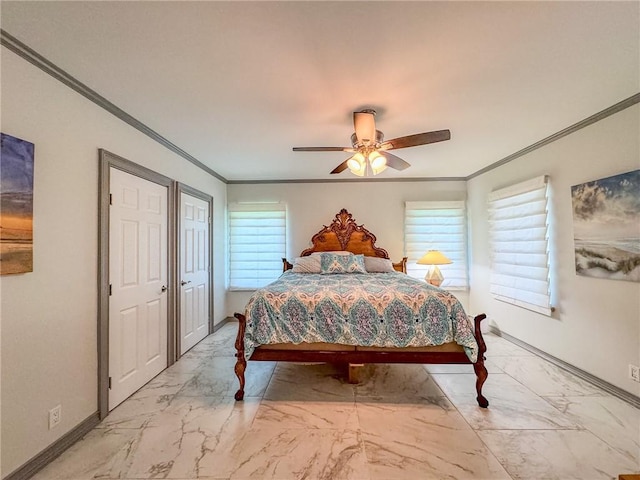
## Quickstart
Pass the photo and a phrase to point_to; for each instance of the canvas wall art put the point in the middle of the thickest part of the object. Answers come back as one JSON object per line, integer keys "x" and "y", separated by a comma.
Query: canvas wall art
{"x": 606, "y": 227}
{"x": 16, "y": 205}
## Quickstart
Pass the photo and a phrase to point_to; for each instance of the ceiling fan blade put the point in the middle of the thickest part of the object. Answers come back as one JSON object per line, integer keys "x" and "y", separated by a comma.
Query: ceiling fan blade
{"x": 417, "y": 139}
{"x": 322, "y": 149}
{"x": 341, "y": 168}
{"x": 365, "y": 127}
{"x": 395, "y": 162}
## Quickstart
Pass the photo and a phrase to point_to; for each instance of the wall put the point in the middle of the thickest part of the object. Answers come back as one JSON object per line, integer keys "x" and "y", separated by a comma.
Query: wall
{"x": 596, "y": 326}
{"x": 49, "y": 318}
{"x": 379, "y": 206}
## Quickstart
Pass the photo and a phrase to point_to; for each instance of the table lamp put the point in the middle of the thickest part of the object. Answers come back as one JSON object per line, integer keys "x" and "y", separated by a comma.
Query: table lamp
{"x": 434, "y": 258}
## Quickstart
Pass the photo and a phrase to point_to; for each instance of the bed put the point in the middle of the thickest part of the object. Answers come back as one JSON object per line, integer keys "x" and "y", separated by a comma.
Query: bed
{"x": 355, "y": 317}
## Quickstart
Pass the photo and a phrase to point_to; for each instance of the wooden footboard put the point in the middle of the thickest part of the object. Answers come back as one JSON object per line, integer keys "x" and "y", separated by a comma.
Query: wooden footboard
{"x": 362, "y": 357}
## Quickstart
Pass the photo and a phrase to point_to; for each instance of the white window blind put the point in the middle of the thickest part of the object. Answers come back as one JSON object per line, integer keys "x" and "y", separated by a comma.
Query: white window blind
{"x": 437, "y": 226}
{"x": 257, "y": 244}
{"x": 518, "y": 226}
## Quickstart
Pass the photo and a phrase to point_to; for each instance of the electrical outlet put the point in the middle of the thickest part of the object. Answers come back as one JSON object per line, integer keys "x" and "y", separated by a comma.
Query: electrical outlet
{"x": 55, "y": 416}
{"x": 634, "y": 373}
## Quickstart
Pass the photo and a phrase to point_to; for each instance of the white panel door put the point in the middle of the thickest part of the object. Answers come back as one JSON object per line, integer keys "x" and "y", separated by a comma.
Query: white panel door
{"x": 138, "y": 280}
{"x": 194, "y": 271}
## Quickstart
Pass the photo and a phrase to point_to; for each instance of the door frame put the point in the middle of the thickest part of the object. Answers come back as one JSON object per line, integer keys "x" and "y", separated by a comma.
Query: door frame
{"x": 180, "y": 189}
{"x": 108, "y": 160}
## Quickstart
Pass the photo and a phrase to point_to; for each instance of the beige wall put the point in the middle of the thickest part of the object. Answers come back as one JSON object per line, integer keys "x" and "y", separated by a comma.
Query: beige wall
{"x": 596, "y": 326}
{"x": 379, "y": 206}
{"x": 49, "y": 322}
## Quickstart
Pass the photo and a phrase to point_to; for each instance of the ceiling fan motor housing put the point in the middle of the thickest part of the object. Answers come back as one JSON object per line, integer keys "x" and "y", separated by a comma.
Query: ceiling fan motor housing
{"x": 379, "y": 139}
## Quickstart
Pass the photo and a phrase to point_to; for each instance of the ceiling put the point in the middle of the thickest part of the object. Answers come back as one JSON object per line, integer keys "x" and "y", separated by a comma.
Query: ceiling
{"x": 238, "y": 84}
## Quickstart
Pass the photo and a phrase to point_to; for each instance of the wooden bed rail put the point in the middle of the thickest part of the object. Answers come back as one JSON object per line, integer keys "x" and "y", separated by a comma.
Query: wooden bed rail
{"x": 363, "y": 357}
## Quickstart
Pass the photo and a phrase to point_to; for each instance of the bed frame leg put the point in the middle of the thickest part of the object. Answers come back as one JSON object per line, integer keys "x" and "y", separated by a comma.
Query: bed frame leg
{"x": 481, "y": 374}
{"x": 354, "y": 372}
{"x": 478, "y": 367}
{"x": 241, "y": 363}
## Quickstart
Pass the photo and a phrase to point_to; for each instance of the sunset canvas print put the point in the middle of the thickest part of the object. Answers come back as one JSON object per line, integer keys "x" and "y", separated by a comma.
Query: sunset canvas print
{"x": 606, "y": 227}
{"x": 16, "y": 205}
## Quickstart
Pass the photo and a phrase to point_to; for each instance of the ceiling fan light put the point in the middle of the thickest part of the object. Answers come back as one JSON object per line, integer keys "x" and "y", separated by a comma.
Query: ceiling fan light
{"x": 354, "y": 163}
{"x": 357, "y": 164}
{"x": 378, "y": 162}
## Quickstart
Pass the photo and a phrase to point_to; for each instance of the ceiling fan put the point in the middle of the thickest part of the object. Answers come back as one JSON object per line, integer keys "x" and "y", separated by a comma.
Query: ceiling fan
{"x": 371, "y": 152}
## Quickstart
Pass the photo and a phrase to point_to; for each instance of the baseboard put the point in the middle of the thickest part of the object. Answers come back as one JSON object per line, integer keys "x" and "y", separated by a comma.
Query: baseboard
{"x": 54, "y": 450}
{"x": 598, "y": 382}
{"x": 222, "y": 323}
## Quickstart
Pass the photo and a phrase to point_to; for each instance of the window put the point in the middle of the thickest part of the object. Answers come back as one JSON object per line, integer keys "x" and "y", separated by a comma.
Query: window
{"x": 518, "y": 226}
{"x": 437, "y": 226}
{"x": 257, "y": 244}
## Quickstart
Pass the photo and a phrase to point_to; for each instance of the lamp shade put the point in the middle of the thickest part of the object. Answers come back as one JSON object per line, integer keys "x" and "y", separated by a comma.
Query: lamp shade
{"x": 377, "y": 162}
{"x": 357, "y": 164}
{"x": 434, "y": 257}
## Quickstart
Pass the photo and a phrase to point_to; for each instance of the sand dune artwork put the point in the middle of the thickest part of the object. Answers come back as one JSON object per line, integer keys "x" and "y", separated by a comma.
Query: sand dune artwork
{"x": 606, "y": 227}
{"x": 16, "y": 205}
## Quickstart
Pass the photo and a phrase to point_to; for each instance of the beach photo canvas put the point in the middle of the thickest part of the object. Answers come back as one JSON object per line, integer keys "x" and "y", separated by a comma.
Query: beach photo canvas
{"x": 16, "y": 205}
{"x": 606, "y": 227}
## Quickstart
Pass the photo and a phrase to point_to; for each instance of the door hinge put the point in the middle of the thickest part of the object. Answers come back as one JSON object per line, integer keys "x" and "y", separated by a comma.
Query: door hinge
{"x": 110, "y": 199}
{"x": 109, "y": 383}
{"x": 110, "y": 290}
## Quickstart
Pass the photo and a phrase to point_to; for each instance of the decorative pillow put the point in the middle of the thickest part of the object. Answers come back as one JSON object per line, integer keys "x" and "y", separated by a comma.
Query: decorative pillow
{"x": 378, "y": 265}
{"x": 333, "y": 263}
{"x": 308, "y": 264}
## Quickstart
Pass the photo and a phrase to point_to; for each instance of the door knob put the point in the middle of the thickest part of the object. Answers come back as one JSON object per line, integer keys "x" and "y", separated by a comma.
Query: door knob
{"x": 163, "y": 289}
{"x": 184, "y": 283}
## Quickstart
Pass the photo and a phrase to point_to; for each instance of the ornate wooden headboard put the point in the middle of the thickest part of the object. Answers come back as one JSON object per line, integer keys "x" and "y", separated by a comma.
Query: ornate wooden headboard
{"x": 345, "y": 234}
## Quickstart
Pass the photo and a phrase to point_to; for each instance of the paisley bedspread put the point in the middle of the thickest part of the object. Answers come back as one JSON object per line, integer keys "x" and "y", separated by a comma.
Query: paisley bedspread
{"x": 375, "y": 309}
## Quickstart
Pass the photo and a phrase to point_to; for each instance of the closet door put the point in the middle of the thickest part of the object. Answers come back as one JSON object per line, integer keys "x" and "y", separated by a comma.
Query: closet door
{"x": 138, "y": 220}
{"x": 194, "y": 270}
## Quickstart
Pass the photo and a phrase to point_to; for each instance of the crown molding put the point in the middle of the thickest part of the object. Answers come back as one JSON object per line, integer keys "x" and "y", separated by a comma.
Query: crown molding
{"x": 16, "y": 46}
{"x": 626, "y": 103}
{"x": 349, "y": 180}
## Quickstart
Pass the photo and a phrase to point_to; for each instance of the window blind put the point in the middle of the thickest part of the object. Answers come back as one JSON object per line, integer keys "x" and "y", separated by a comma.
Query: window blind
{"x": 257, "y": 244}
{"x": 518, "y": 226}
{"x": 437, "y": 226}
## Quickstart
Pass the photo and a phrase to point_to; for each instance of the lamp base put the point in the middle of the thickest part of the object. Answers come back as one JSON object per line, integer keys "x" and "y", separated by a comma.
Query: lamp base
{"x": 434, "y": 276}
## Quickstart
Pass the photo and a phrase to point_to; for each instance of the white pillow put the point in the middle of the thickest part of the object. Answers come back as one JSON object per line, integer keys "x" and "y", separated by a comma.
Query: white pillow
{"x": 310, "y": 264}
{"x": 335, "y": 252}
{"x": 378, "y": 265}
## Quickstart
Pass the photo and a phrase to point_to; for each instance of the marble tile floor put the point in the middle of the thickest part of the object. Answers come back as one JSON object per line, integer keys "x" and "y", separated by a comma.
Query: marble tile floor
{"x": 400, "y": 422}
